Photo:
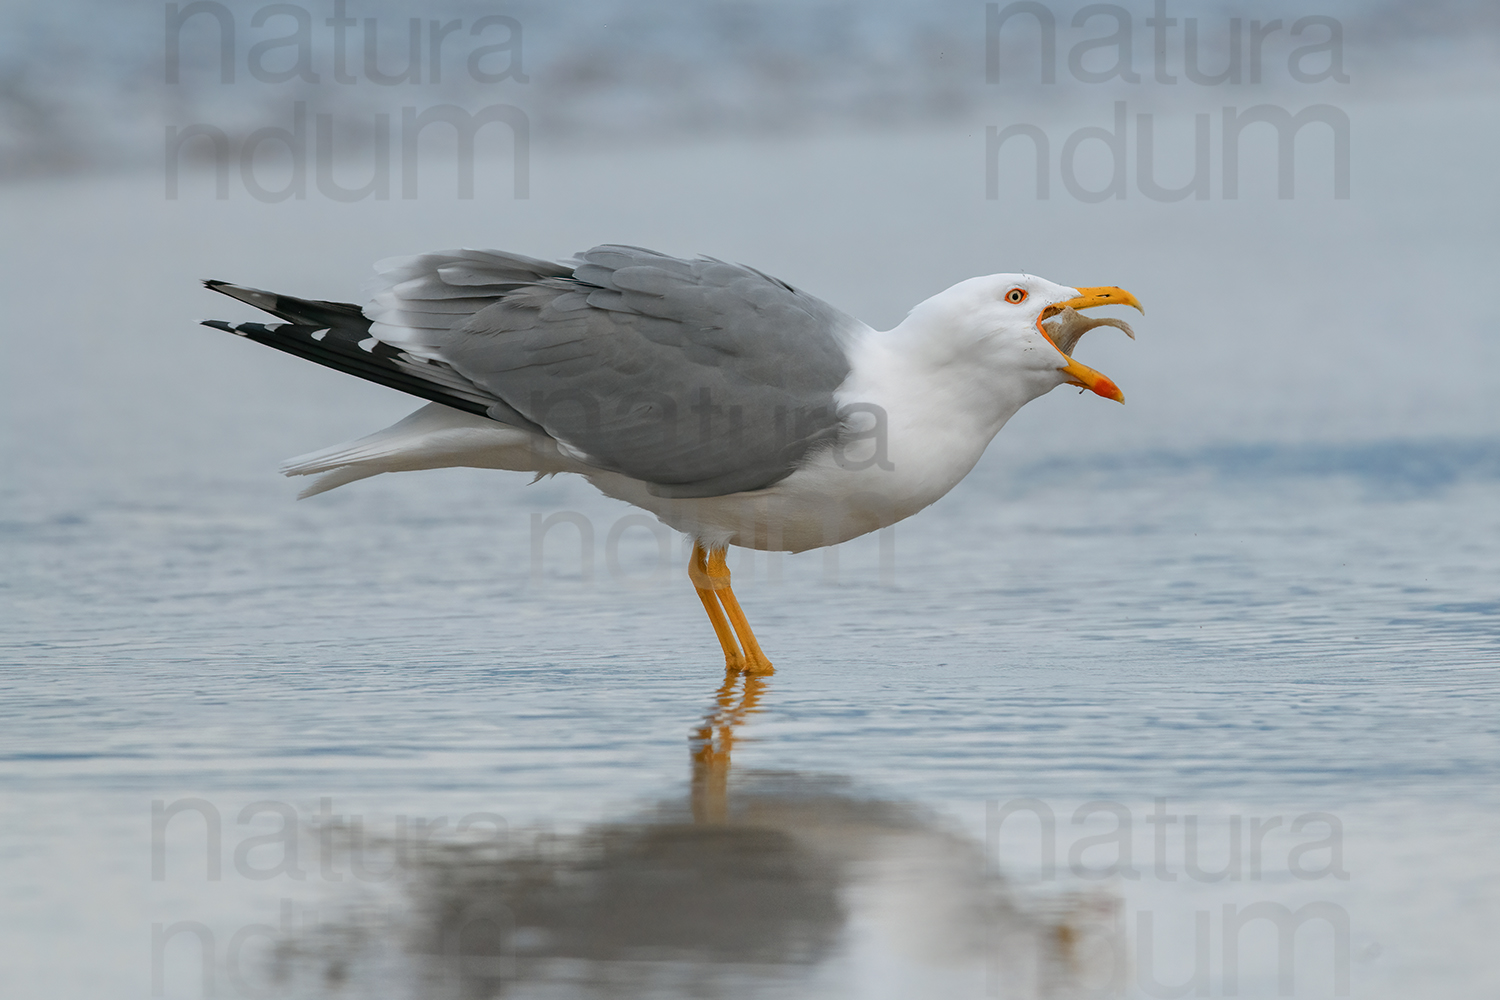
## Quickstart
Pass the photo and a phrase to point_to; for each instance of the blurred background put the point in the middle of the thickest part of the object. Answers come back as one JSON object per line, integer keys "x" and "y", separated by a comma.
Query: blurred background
{"x": 420, "y": 736}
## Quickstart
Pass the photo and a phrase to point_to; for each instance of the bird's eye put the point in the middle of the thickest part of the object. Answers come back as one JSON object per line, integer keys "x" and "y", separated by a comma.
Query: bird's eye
{"x": 1016, "y": 296}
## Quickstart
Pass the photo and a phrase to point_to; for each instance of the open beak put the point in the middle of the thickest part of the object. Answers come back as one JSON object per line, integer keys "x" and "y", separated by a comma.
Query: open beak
{"x": 1079, "y": 374}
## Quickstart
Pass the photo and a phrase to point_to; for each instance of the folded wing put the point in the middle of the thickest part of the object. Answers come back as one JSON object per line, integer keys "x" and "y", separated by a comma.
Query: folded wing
{"x": 698, "y": 377}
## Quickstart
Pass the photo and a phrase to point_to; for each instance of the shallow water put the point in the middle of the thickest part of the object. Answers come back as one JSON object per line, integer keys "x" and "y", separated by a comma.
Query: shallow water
{"x": 1273, "y": 598}
{"x": 1168, "y": 634}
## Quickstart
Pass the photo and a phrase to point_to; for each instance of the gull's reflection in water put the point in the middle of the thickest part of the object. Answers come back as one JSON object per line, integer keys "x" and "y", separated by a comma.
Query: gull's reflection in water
{"x": 758, "y": 884}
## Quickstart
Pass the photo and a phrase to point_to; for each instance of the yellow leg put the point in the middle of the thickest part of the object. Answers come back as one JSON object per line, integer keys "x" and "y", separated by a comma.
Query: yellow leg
{"x": 756, "y": 662}
{"x": 734, "y": 660}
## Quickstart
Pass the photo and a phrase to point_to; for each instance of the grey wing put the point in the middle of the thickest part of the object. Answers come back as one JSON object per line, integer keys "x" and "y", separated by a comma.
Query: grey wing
{"x": 698, "y": 377}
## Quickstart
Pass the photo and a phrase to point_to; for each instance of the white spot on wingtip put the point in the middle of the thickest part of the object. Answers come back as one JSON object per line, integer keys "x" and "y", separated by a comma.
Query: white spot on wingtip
{"x": 320, "y": 334}
{"x": 368, "y": 344}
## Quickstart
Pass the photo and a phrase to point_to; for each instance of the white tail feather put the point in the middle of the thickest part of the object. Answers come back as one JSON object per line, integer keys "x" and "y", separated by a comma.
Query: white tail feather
{"x": 434, "y": 437}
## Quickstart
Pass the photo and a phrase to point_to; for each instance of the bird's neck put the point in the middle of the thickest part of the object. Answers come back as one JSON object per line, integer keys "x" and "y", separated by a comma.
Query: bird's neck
{"x": 947, "y": 376}
{"x": 940, "y": 410}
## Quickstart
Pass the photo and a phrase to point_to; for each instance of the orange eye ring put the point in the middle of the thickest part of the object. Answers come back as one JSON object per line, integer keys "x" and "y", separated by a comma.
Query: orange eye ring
{"x": 1016, "y": 296}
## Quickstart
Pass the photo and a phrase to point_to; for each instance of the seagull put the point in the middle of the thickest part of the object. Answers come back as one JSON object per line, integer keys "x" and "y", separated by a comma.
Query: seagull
{"x": 734, "y": 407}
